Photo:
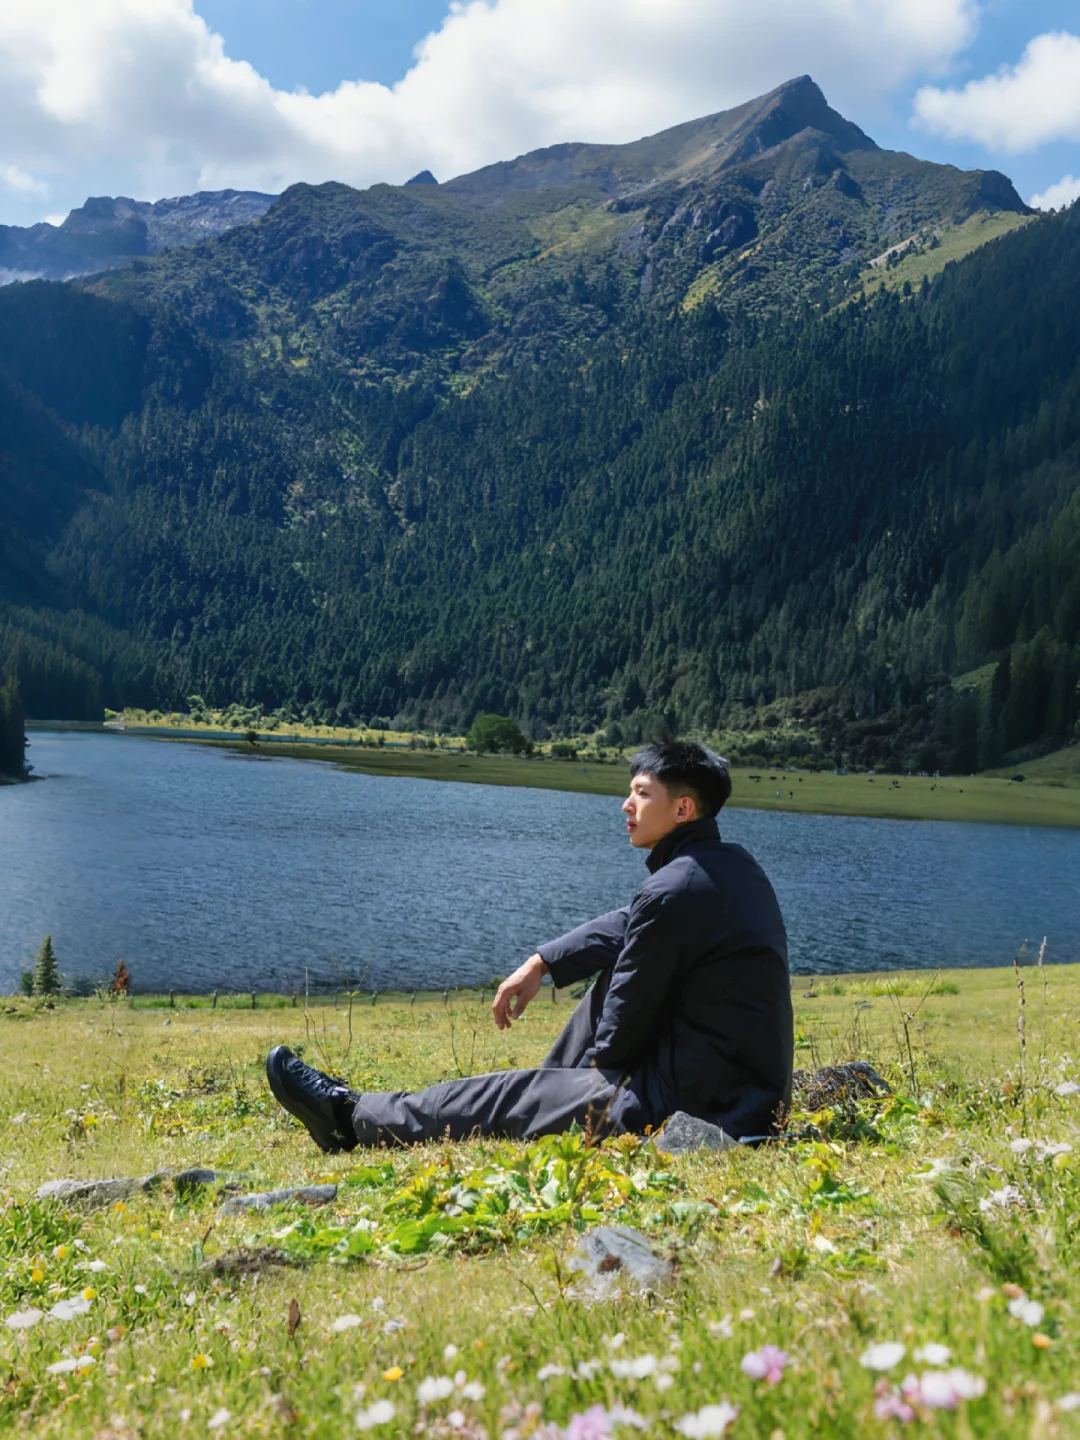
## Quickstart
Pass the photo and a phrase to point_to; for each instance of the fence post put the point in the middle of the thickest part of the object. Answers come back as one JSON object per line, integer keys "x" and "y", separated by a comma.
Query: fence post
{"x": 253, "y": 999}
{"x": 172, "y": 1001}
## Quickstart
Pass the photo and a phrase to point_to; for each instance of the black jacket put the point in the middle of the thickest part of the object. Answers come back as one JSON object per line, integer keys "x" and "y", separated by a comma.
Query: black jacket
{"x": 698, "y": 1003}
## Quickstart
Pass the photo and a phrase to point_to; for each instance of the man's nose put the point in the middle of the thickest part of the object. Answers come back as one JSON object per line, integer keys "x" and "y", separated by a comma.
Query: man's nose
{"x": 627, "y": 805}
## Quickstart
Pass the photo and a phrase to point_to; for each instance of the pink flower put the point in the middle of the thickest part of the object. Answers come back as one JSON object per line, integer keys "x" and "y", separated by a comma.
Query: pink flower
{"x": 765, "y": 1364}
{"x": 889, "y": 1404}
{"x": 595, "y": 1424}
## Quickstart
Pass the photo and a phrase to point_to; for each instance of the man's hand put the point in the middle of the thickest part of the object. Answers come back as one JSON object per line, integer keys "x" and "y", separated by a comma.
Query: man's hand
{"x": 515, "y": 992}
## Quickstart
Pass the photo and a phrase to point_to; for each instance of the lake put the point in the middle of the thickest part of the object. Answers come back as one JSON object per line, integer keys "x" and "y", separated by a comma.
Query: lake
{"x": 210, "y": 870}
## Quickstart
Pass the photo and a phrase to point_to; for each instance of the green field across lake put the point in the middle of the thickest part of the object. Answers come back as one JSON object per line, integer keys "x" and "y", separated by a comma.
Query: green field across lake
{"x": 991, "y": 799}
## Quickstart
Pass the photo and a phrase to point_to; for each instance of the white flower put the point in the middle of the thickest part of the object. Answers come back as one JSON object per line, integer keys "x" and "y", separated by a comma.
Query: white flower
{"x": 663, "y": 1382}
{"x": 1048, "y": 1151}
{"x": 378, "y": 1303}
{"x": 381, "y": 1413}
{"x": 883, "y": 1356}
{"x": 823, "y": 1245}
{"x": 68, "y": 1309}
{"x": 943, "y": 1389}
{"x": 588, "y": 1369}
{"x": 933, "y": 1354}
{"x": 614, "y": 1341}
{"x": 456, "y": 1418}
{"x": 1068, "y": 1402}
{"x": 1001, "y": 1199}
{"x": 19, "y": 1119}
{"x": 1029, "y": 1311}
{"x": 938, "y": 1166}
{"x": 620, "y": 1415}
{"x": 721, "y": 1329}
{"x": 449, "y": 1353}
{"x": 23, "y": 1319}
{"x": 432, "y": 1388}
{"x": 710, "y": 1420}
{"x": 96, "y": 1266}
{"x": 636, "y": 1368}
{"x": 392, "y": 1326}
{"x": 70, "y": 1367}
{"x": 346, "y": 1322}
{"x": 1066, "y": 1088}
{"x": 1020, "y": 1147}
{"x": 219, "y": 1419}
{"x": 746, "y": 1314}
{"x": 139, "y": 1289}
{"x": 473, "y": 1390}
{"x": 190, "y": 1298}
{"x": 551, "y": 1372}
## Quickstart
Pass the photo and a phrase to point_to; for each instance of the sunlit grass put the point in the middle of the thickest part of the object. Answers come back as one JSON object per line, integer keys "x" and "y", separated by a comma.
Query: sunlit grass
{"x": 823, "y": 1248}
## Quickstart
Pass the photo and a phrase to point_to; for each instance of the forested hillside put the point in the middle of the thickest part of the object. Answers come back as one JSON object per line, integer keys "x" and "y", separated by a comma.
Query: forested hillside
{"x": 578, "y": 439}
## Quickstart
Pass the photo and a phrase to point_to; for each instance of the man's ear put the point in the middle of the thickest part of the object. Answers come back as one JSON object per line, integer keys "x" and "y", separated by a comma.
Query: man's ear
{"x": 686, "y": 809}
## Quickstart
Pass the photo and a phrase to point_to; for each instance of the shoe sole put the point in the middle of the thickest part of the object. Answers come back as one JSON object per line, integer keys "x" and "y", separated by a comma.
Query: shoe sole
{"x": 275, "y": 1062}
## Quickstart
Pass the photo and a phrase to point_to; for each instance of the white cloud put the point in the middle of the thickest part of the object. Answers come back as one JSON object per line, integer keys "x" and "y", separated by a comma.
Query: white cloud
{"x": 1056, "y": 197}
{"x": 1018, "y": 108}
{"x": 22, "y": 183}
{"x": 139, "y": 96}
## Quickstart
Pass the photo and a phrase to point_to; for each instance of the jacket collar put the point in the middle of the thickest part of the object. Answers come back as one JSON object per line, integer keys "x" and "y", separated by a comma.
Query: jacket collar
{"x": 679, "y": 840}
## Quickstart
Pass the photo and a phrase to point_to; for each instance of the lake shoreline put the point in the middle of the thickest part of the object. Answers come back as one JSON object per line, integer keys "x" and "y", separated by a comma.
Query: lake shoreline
{"x": 951, "y": 799}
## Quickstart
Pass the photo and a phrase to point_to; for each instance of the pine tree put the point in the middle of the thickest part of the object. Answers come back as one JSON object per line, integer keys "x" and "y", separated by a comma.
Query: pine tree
{"x": 46, "y": 970}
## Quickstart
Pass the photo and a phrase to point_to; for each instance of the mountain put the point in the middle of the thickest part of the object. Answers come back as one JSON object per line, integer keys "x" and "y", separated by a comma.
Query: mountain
{"x": 635, "y": 437}
{"x": 108, "y": 231}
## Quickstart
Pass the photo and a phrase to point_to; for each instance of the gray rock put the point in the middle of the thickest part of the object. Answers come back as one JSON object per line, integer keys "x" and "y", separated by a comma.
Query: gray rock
{"x": 89, "y": 1194}
{"x": 187, "y": 1183}
{"x": 614, "y": 1257}
{"x": 306, "y": 1194}
{"x": 683, "y": 1133}
{"x": 838, "y": 1085}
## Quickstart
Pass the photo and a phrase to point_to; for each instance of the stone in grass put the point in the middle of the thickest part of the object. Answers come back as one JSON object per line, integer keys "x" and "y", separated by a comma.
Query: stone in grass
{"x": 840, "y": 1085}
{"x": 305, "y": 1194}
{"x": 90, "y": 1194}
{"x": 612, "y": 1258}
{"x": 188, "y": 1183}
{"x": 683, "y": 1133}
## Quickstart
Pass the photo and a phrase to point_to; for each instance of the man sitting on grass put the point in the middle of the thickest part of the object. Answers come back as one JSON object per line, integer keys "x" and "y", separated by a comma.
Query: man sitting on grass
{"x": 691, "y": 1008}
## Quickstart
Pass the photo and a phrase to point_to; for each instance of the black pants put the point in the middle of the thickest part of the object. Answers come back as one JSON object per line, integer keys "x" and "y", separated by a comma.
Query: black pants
{"x": 513, "y": 1103}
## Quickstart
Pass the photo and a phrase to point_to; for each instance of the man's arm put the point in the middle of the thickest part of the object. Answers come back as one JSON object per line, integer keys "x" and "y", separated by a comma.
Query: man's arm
{"x": 574, "y": 956}
{"x": 639, "y": 984}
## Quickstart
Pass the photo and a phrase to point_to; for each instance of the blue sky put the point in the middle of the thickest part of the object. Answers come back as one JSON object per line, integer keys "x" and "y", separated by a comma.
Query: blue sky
{"x": 157, "y": 97}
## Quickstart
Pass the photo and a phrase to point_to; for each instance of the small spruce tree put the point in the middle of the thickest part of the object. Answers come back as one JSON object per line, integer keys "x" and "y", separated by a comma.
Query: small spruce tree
{"x": 46, "y": 970}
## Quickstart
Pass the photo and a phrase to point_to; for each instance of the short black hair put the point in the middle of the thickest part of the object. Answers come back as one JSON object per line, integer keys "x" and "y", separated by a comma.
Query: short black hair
{"x": 686, "y": 768}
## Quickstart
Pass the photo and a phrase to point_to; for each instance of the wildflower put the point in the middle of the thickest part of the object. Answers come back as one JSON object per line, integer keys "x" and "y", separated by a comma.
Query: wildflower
{"x": 1002, "y": 1199}
{"x": 1052, "y": 1151}
{"x": 985, "y": 1295}
{"x": 37, "y": 1274}
{"x": 710, "y": 1420}
{"x": 1066, "y": 1088}
{"x": 765, "y": 1364}
{"x": 890, "y": 1404}
{"x": 60, "y": 1252}
{"x": 1014, "y": 1292}
{"x": 381, "y": 1413}
{"x": 636, "y": 1368}
{"x": 944, "y": 1389}
{"x": 933, "y": 1354}
{"x": 139, "y": 1289}
{"x": 346, "y": 1322}
{"x": 456, "y": 1419}
{"x": 95, "y": 1266}
{"x": 219, "y": 1419}
{"x": 1029, "y": 1311}
{"x": 551, "y": 1372}
{"x": 89, "y": 1293}
{"x": 23, "y": 1319}
{"x": 614, "y": 1341}
{"x": 378, "y": 1303}
{"x": 68, "y": 1309}
{"x": 1021, "y": 1147}
{"x": 391, "y": 1327}
{"x": 433, "y": 1388}
{"x": 746, "y": 1314}
{"x": 587, "y": 1369}
{"x": 883, "y": 1356}
{"x": 449, "y": 1353}
{"x": 1041, "y": 1341}
{"x": 201, "y": 1362}
{"x": 663, "y": 1382}
{"x": 394, "y": 1373}
{"x": 71, "y": 1366}
{"x": 594, "y": 1424}
{"x": 1068, "y": 1402}
{"x": 721, "y": 1329}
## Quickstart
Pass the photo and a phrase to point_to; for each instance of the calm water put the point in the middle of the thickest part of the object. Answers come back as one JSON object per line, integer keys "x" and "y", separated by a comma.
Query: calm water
{"x": 206, "y": 870}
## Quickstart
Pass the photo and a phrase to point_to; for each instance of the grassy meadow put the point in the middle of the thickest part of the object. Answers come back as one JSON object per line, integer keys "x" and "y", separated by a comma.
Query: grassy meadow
{"x": 934, "y": 1234}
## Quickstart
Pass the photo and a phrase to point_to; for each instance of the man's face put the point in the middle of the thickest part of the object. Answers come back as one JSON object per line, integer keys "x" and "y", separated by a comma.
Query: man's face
{"x": 651, "y": 813}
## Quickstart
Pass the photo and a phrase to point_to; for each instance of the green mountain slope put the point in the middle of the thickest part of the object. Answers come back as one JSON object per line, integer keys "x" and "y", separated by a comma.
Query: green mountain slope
{"x": 589, "y": 438}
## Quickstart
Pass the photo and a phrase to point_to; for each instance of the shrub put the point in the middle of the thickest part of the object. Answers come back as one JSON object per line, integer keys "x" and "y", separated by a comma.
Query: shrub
{"x": 46, "y": 971}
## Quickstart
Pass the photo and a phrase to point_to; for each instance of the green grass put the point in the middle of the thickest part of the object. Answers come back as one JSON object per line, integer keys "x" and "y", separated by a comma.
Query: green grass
{"x": 822, "y": 1247}
{"x": 980, "y": 798}
{"x": 955, "y": 242}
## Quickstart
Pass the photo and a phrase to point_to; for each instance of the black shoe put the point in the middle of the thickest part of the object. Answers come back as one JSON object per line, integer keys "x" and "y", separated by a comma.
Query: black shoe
{"x": 322, "y": 1104}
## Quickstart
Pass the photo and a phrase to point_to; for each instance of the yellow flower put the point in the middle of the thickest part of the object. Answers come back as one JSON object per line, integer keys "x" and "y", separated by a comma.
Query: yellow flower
{"x": 89, "y": 1293}
{"x": 61, "y": 1252}
{"x": 394, "y": 1373}
{"x": 1041, "y": 1341}
{"x": 37, "y": 1273}
{"x": 201, "y": 1362}
{"x": 119, "y": 1206}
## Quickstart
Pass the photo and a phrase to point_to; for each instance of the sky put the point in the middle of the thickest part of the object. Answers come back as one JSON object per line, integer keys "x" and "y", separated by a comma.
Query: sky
{"x": 150, "y": 98}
